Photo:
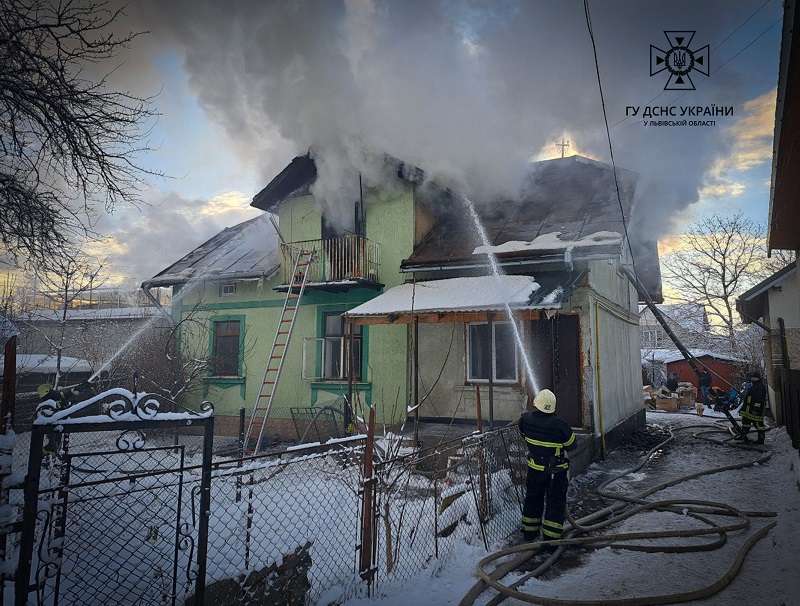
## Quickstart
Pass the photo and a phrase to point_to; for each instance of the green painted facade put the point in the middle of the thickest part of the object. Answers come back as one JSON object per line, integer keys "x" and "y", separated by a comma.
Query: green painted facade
{"x": 257, "y": 306}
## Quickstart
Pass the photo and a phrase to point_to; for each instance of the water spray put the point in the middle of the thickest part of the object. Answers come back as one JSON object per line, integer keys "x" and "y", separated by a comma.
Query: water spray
{"x": 496, "y": 271}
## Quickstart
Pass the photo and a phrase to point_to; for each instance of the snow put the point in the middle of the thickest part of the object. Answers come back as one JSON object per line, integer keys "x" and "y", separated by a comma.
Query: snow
{"x": 552, "y": 241}
{"x": 46, "y": 363}
{"x": 452, "y": 294}
{"x": 664, "y": 356}
{"x": 769, "y": 575}
{"x": 106, "y": 313}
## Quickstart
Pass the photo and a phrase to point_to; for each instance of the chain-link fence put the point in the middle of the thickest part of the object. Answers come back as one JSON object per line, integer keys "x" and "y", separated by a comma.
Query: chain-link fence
{"x": 284, "y": 527}
{"x": 300, "y": 526}
{"x": 466, "y": 490}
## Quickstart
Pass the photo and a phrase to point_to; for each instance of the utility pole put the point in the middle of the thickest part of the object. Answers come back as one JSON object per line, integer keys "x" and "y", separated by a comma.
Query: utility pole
{"x": 562, "y": 145}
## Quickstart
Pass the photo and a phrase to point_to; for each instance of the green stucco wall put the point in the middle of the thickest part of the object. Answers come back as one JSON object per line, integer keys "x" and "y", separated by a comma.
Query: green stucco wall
{"x": 390, "y": 223}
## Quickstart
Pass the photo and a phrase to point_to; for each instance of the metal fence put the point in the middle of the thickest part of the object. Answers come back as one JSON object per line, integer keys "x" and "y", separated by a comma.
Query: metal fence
{"x": 312, "y": 524}
{"x": 425, "y": 503}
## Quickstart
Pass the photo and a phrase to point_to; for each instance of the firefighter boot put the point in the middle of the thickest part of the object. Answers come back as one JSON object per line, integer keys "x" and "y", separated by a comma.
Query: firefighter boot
{"x": 742, "y": 435}
{"x": 760, "y": 439}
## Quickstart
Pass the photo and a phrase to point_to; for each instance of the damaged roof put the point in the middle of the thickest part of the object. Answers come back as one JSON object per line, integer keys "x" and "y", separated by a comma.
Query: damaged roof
{"x": 573, "y": 197}
{"x": 247, "y": 250}
{"x": 567, "y": 204}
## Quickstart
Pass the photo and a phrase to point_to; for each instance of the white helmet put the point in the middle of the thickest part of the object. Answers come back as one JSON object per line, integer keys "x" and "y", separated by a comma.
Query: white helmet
{"x": 545, "y": 401}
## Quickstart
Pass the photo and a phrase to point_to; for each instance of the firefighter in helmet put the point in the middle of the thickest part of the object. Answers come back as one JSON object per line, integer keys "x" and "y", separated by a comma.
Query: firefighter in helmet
{"x": 752, "y": 413}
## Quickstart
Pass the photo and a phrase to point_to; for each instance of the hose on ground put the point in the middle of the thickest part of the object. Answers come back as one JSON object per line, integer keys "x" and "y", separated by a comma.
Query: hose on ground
{"x": 625, "y": 507}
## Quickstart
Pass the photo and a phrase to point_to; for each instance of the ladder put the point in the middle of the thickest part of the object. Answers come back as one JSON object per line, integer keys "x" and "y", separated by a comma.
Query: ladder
{"x": 277, "y": 354}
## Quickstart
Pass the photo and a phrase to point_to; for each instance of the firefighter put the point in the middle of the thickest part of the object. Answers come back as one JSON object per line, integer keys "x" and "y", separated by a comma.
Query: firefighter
{"x": 62, "y": 398}
{"x": 752, "y": 413}
{"x": 548, "y": 438}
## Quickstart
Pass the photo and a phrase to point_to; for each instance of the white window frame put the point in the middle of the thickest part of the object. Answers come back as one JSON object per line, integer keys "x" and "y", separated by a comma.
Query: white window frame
{"x": 227, "y": 289}
{"x": 471, "y": 379}
{"x": 652, "y": 338}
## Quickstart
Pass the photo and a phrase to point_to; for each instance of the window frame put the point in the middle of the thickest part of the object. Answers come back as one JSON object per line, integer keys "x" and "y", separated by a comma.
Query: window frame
{"x": 358, "y": 338}
{"x": 212, "y": 346}
{"x": 224, "y": 285}
{"x": 468, "y": 359}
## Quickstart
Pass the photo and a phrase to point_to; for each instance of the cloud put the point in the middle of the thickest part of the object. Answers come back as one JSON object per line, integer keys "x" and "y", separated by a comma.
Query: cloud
{"x": 140, "y": 243}
{"x": 748, "y": 147}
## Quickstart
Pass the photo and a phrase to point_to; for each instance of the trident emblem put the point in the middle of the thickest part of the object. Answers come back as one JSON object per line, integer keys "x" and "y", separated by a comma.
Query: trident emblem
{"x": 679, "y": 60}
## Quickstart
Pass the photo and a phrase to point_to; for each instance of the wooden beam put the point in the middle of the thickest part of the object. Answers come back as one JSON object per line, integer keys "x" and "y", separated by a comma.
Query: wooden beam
{"x": 445, "y": 316}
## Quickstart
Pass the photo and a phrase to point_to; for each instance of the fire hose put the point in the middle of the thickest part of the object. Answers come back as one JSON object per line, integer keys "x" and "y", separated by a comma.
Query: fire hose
{"x": 625, "y": 507}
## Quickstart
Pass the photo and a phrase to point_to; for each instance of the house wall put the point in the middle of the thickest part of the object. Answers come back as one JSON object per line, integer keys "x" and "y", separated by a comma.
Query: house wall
{"x": 611, "y": 339}
{"x": 781, "y": 304}
{"x": 443, "y": 389}
{"x": 390, "y": 223}
{"x": 723, "y": 372}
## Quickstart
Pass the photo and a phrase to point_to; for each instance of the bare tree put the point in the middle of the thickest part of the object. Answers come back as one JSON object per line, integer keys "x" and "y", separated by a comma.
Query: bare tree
{"x": 65, "y": 284}
{"x": 721, "y": 257}
{"x": 69, "y": 143}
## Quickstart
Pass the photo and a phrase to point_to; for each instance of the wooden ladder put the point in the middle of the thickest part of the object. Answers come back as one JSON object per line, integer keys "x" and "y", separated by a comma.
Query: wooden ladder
{"x": 277, "y": 354}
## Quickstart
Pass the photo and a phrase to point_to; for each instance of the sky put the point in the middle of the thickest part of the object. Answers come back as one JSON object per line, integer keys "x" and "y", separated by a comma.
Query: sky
{"x": 471, "y": 91}
{"x": 769, "y": 571}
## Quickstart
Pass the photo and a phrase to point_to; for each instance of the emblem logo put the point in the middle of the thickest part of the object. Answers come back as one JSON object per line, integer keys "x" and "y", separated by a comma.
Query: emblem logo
{"x": 679, "y": 60}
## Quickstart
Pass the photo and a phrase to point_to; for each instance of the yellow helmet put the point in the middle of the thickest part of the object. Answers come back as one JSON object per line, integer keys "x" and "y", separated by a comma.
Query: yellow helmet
{"x": 545, "y": 401}
{"x": 44, "y": 389}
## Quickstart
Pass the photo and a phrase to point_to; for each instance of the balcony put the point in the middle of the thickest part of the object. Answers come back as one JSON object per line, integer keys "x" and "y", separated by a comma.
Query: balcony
{"x": 337, "y": 264}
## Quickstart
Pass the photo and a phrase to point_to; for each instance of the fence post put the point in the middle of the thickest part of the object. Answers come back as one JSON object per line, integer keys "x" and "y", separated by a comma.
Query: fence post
{"x": 205, "y": 511}
{"x": 22, "y": 580}
{"x": 366, "y": 564}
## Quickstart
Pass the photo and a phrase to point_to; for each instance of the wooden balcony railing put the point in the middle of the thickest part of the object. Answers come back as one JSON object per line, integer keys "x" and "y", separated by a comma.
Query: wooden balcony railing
{"x": 336, "y": 259}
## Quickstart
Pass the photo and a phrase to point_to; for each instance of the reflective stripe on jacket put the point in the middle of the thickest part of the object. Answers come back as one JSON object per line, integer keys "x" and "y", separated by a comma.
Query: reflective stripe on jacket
{"x": 548, "y": 437}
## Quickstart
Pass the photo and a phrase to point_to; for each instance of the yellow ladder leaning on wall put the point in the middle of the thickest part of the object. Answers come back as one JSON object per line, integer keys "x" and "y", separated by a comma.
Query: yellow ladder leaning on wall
{"x": 277, "y": 354}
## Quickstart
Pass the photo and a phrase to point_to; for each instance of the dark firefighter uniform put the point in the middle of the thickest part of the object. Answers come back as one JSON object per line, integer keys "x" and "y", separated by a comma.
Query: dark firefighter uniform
{"x": 752, "y": 413}
{"x": 548, "y": 437}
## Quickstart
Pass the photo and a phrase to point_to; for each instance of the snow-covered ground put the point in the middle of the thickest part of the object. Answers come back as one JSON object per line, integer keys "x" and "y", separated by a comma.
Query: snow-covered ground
{"x": 769, "y": 576}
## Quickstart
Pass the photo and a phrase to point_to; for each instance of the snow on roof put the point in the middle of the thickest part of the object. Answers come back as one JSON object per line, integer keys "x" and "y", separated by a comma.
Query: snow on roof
{"x": 248, "y": 249}
{"x": 110, "y": 313}
{"x": 665, "y": 356}
{"x": 46, "y": 363}
{"x": 553, "y": 241}
{"x": 452, "y": 294}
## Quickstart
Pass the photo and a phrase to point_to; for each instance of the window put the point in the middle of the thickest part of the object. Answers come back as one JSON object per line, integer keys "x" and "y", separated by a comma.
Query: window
{"x": 491, "y": 352}
{"x": 652, "y": 339}
{"x": 226, "y": 290}
{"x": 334, "y": 347}
{"x": 225, "y": 357}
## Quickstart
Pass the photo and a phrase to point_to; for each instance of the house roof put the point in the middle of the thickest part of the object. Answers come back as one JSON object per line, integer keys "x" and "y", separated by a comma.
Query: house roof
{"x": 568, "y": 204}
{"x": 246, "y": 250}
{"x": 301, "y": 173}
{"x": 46, "y": 363}
{"x": 751, "y": 303}
{"x": 689, "y": 316}
{"x": 77, "y": 315}
{"x": 784, "y": 221}
{"x": 665, "y": 356}
{"x": 549, "y": 290}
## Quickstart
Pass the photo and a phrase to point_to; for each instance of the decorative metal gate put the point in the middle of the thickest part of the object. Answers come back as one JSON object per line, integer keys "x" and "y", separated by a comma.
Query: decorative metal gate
{"x": 114, "y": 511}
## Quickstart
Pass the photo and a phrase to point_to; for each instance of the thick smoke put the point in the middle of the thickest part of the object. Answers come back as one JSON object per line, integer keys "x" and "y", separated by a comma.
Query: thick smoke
{"x": 468, "y": 91}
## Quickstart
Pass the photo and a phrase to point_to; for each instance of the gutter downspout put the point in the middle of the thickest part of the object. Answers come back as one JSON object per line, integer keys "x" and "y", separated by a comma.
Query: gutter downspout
{"x": 146, "y": 288}
{"x": 597, "y": 379}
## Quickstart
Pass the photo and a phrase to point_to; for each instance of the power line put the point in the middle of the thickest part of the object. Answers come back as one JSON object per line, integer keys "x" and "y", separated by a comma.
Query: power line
{"x": 608, "y": 131}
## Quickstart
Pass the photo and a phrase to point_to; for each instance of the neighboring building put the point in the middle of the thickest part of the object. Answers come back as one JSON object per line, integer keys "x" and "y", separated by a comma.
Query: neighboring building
{"x": 409, "y": 282}
{"x": 658, "y": 364}
{"x": 772, "y": 304}
{"x": 783, "y": 225}
{"x": 689, "y": 322}
{"x": 87, "y": 337}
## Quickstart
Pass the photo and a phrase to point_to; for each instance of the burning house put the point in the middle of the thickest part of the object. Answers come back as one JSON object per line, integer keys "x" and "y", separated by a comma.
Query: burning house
{"x": 404, "y": 312}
